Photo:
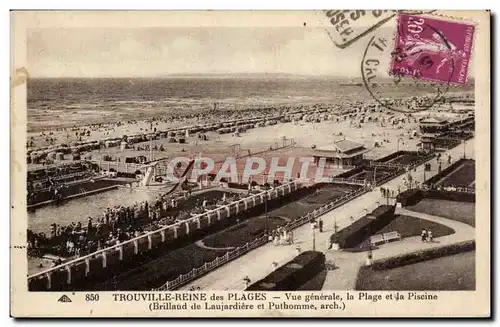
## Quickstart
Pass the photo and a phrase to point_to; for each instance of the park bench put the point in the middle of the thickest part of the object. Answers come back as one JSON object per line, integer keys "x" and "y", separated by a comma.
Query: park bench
{"x": 377, "y": 239}
{"x": 391, "y": 236}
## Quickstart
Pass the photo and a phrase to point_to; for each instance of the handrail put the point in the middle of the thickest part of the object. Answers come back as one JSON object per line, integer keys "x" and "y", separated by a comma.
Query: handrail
{"x": 113, "y": 247}
{"x": 59, "y": 177}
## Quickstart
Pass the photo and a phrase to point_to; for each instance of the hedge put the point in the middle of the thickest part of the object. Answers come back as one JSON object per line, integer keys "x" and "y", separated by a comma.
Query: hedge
{"x": 410, "y": 197}
{"x": 293, "y": 274}
{"x": 451, "y": 196}
{"x": 364, "y": 227}
{"x": 414, "y": 196}
{"x": 414, "y": 257}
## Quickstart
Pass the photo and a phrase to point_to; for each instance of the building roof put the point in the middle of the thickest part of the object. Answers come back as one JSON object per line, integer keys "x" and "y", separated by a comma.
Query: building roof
{"x": 342, "y": 146}
{"x": 346, "y": 145}
{"x": 433, "y": 120}
{"x": 336, "y": 154}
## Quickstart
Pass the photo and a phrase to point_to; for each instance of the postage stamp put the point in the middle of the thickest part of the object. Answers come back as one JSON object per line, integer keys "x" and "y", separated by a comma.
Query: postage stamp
{"x": 432, "y": 49}
{"x": 239, "y": 164}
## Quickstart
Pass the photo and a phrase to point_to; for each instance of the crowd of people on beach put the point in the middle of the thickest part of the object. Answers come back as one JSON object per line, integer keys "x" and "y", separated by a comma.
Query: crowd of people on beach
{"x": 118, "y": 224}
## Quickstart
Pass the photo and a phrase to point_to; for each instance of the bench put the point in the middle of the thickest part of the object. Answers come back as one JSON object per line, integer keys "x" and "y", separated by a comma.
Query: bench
{"x": 377, "y": 239}
{"x": 384, "y": 238}
{"x": 392, "y": 236}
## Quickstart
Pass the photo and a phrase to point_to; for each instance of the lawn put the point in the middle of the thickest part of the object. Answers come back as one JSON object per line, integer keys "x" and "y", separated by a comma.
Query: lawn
{"x": 407, "y": 226}
{"x": 451, "y": 273}
{"x": 242, "y": 233}
{"x": 464, "y": 176}
{"x": 464, "y": 212}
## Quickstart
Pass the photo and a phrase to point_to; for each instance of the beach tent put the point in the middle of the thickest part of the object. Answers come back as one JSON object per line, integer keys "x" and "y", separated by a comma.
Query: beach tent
{"x": 35, "y": 158}
{"x": 51, "y": 155}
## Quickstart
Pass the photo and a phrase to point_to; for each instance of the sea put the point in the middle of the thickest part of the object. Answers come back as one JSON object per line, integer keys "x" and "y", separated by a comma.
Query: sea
{"x": 64, "y": 102}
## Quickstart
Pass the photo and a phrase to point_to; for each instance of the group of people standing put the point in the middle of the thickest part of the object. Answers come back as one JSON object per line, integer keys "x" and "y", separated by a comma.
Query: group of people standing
{"x": 426, "y": 235}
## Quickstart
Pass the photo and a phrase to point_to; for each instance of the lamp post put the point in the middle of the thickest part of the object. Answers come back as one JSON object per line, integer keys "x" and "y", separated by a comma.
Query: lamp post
{"x": 151, "y": 148}
{"x": 313, "y": 225}
{"x": 400, "y": 139}
{"x": 265, "y": 214}
{"x": 464, "y": 147}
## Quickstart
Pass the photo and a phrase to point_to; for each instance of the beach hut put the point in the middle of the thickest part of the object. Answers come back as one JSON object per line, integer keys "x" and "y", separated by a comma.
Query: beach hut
{"x": 171, "y": 140}
{"x": 75, "y": 156}
{"x": 106, "y": 157}
{"x": 182, "y": 140}
{"x": 123, "y": 146}
{"x": 34, "y": 157}
{"x": 59, "y": 156}
{"x": 51, "y": 155}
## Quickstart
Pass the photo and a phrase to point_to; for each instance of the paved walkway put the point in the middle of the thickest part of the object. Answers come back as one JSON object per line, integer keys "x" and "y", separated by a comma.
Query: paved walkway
{"x": 348, "y": 264}
{"x": 258, "y": 263}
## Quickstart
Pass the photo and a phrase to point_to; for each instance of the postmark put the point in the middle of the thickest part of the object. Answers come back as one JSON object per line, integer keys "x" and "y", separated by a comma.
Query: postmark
{"x": 351, "y": 25}
{"x": 432, "y": 49}
{"x": 345, "y": 27}
{"x": 383, "y": 86}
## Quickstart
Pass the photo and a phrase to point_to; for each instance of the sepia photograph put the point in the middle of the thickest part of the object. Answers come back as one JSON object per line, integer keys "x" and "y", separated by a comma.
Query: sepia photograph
{"x": 333, "y": 151}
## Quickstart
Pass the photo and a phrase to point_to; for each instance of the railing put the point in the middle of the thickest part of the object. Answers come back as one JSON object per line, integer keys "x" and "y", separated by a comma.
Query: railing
{"x": 449, "y": 189}
{"x": 269, "y": 193}
{"x": 56, "y": 178}
{"x": 233, "y": 254}
{"x": 209, "y": 266}
{"x": 386, "y": 165}
{"x": 85, "y": 176}
{"x": 352, "y": 181}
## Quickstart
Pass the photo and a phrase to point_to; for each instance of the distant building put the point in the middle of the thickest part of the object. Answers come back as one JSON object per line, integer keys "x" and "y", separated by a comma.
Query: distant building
{"x": 342, "y": 154}
{"x": 433, "y": 128}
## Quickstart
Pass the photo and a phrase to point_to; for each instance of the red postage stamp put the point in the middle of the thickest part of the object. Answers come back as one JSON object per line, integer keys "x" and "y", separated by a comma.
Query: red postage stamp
{"x": 432, "y": 49}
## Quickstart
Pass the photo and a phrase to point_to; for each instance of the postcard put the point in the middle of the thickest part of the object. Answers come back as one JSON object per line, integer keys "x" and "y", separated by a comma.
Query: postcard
{"x": 327, "y": 163}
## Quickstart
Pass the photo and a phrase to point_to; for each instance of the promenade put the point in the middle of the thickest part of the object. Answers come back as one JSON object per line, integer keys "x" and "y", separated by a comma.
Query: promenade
{"x": 258, "y": 263}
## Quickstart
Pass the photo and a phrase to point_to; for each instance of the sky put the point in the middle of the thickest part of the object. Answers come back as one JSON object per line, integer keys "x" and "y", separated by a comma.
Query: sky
{"x": 165, "y": 51}
{"x": 156, "y": 52}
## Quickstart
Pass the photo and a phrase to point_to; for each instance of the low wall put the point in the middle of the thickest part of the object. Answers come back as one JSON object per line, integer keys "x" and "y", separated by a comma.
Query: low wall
{"x": 98, "y": 265}
{"x": 74, "y": 196}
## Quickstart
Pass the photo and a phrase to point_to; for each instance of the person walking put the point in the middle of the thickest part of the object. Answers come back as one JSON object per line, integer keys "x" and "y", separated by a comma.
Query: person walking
{"x": 320, "y": 223}
{"x": 430, "y": 237}
{"x": 424, "y": 235}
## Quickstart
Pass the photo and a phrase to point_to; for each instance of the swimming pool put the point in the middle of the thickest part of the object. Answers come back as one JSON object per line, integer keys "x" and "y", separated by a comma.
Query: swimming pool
{"x": 80, "y": 209}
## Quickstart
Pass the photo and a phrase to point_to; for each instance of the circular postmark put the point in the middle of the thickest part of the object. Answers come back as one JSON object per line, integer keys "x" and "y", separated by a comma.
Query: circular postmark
{"x": 412, "y": 71}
